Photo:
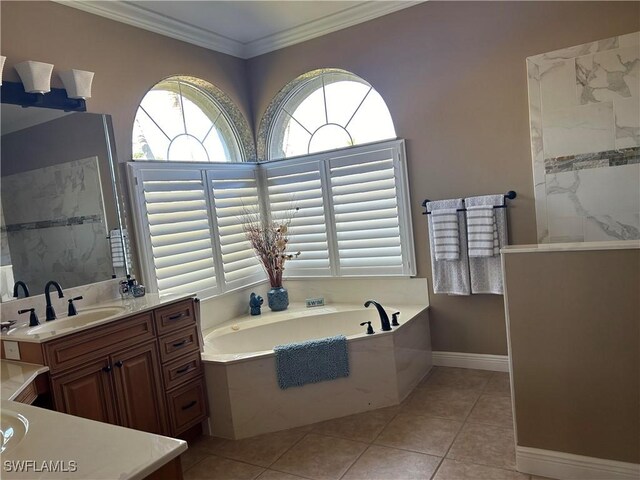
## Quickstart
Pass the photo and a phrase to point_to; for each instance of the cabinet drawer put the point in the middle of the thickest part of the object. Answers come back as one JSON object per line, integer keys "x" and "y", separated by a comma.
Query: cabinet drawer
{"x": 187, "y": 406}
{"x": 173, "y": 317}
{"x": 28, "y": 395}
{"x": 78, "y": 349}
{"x": 182, "y": 370}
{"x": 176, "y": 344}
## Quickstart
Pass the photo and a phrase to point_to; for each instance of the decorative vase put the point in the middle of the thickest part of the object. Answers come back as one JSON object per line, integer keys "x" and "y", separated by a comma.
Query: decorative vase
{"x": 278, "y": 298}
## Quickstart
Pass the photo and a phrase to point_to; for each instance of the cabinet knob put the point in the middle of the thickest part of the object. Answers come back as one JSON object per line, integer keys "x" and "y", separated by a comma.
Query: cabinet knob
{"x": 119, "y": 364}
{"x": 107, "y": 369}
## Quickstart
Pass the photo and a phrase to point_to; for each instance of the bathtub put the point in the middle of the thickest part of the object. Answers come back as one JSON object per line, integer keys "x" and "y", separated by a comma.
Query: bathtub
{"x": 243, "y": 392}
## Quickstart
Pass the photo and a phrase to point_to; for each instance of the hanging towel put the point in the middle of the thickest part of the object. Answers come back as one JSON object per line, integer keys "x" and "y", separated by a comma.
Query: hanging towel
{"x": 312, "y": 361}
{"x": 445, "y": 234}
{"x": 450, "y": 276}
{"x": 482, "y": 231}
{"x": 117, "y": 252}
{"x": 486, "y": 272}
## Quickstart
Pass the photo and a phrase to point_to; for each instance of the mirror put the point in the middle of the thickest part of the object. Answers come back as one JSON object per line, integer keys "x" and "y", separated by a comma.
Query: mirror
{"x": 60, "y": 212}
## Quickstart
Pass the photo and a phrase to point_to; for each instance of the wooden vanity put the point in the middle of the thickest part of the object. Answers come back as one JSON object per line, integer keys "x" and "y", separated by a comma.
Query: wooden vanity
{"x": 141, "y": 371}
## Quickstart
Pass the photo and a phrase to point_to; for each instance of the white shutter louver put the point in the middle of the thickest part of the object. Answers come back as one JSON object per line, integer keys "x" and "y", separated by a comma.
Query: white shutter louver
{"x": 299, "y": 185}
{"x": 365, "y": 206}
{"x": 236, "y": 192}
{"x": 179, "y": 231}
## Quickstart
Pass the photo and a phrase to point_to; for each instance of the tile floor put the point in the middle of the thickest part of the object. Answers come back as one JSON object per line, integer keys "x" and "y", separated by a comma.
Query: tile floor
{"x": 455, "y": 425}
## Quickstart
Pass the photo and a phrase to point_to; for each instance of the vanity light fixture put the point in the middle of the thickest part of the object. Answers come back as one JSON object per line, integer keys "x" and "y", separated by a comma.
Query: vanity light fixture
{"x": 35, "y": 76}
{"x": 2, "y": 59}
{"x": 77, "y": 83}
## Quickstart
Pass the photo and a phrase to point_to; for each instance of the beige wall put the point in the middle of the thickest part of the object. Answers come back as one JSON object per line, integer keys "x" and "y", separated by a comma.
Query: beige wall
{"x": 452, "y": 73}
{"x": 574, "y": 322}
{"x": 454, "y": 77}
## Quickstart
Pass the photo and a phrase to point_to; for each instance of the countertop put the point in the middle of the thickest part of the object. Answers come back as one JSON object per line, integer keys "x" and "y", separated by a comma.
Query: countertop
{"x": 99, "y": 450}
{"x": 572, "y": 247}
{"x": 15, "y": 376}
{"x": 129, "y": 306}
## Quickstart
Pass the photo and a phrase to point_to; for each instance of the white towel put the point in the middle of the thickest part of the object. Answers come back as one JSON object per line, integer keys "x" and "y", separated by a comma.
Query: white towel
{"x": 450, "y": 276}
{"x": 445, "y": 234}
{"x": 482, "y": 231}
{"x": 117, "y": 252}
{"x": 486, "y": 272}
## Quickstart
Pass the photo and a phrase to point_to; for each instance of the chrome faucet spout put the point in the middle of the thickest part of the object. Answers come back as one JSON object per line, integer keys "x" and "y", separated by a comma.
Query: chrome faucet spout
{"x": 51, "y": 313}
{"x": 384, "y": 319}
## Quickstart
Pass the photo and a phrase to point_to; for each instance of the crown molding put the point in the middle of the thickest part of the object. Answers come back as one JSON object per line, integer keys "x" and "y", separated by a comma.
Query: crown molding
{"x": 140, "y": 17}
{"x": 147, "y": 20}
{"x": 322, "y": 26}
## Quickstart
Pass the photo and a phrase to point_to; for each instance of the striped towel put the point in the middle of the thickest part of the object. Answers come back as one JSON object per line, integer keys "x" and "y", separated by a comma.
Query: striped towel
{"x": 117, "y": 252}
{"x": 482, "y": 231}
{"x": 445, "y": 234}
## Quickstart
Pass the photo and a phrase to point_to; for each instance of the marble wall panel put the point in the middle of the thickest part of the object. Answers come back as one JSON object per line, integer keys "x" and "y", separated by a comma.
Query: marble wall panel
{"x": 585, "y": 139}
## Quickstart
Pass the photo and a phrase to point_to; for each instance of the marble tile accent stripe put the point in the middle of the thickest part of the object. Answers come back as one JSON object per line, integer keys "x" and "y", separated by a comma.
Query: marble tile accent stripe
{"x": 608, "y": 158}
{"x": 61, "y": 222}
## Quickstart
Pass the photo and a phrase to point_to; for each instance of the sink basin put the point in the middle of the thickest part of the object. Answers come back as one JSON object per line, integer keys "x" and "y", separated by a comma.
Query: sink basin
{"x": 84, "y": 317}
{"x": 13, "y": 428}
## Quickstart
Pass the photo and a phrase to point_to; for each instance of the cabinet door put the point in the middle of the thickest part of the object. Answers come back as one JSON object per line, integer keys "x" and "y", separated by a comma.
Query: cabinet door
{"x": 86, "y": 392}
{"x": 138, "y": 388}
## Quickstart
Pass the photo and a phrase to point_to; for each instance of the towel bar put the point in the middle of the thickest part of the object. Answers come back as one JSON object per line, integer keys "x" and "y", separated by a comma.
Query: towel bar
{"x": 510, "y": 195}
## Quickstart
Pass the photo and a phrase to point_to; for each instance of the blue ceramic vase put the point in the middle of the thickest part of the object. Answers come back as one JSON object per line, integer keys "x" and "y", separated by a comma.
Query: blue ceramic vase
{"x": 278, "y": 298}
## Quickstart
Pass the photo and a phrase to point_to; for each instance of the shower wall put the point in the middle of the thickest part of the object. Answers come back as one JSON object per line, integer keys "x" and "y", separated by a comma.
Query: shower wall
{"x": 584, "y": 109}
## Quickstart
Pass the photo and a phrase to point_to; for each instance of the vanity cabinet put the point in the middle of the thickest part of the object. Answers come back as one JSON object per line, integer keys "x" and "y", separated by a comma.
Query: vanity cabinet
{"x": 142, "y": 372}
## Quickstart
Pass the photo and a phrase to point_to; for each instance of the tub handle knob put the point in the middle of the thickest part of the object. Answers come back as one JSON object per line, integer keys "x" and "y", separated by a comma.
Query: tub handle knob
{"x": 394, "y": 319}
{"x": 369, "y": 327}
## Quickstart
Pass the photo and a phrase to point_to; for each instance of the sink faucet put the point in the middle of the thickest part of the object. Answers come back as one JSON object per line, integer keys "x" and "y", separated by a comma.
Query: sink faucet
{"x": 20, "y": 283}
{"x": 384, "y": 319}
{"x": 51, "y": 313}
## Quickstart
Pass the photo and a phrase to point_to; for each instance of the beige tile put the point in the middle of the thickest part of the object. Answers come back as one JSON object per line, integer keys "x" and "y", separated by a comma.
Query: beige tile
{"x": 463, "y": 378}
{"x": 261, "y": 450}
{"x": 444, "y": 402}
{"x": 498, "y": 384}
{"x": 320, "y": 457}
{"x": 486, "y": 445}
{"x": 420, "y": 434}
{"x": 217, "y": 468}
{"x": 382, "y": 463}
{"x": 273, "y": 475}
{"x": 363, "y": 427}
{"x": 453, "y": 470}
{"x": 492, "y": 410}
{"x": 192, "y": 456}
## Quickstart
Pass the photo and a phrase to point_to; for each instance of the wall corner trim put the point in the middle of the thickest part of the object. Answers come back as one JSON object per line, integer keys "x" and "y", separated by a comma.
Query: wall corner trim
{"x": 567, "y": 466}
{"x": 480, "y": 361}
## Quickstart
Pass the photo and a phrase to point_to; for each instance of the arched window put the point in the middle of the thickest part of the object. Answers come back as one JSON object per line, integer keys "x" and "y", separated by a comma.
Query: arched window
{"x": 185, "y": 119}
{"x": 324, "y": 110}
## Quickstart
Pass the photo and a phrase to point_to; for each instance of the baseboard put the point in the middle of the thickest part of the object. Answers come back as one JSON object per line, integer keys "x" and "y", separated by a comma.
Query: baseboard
{"x": 567, "y": 466}
{"x": 480, "y": 361}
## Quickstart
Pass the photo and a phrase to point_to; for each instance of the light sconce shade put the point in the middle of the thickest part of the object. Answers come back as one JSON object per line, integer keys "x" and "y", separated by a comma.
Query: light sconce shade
{"x": 2, "y": 59}
{"x": 35, "y": 76}
{"x": 77, "y": 83}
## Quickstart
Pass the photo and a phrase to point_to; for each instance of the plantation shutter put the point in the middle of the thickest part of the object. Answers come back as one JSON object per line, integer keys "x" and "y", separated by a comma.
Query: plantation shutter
{"x": 235, "y": 191}
{"x": 299, "y": 185}
{"x": 178, "y": 231}
{"x": 368, "y": 216}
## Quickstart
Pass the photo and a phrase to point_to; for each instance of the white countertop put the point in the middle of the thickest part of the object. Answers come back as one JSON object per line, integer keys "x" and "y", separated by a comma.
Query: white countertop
{"x": 129, "y": 306}
{"x": 573, "y": 247}
{"x": 100, "y": 451}
{"x": 15, "y": 376}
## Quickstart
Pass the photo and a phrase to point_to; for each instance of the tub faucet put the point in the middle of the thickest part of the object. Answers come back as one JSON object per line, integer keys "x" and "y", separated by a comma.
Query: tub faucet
{"x": 51, "y": 313}
{"x": 20, "y": 283}
{"x": 384, "y": 319}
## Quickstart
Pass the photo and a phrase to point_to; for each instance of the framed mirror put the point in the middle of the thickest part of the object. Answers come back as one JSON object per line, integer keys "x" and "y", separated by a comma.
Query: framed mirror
{"x": 60, "y": 211}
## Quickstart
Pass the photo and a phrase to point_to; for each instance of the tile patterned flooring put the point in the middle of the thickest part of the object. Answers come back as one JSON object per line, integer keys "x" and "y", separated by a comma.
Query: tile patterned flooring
{"x": 455, "y": 425}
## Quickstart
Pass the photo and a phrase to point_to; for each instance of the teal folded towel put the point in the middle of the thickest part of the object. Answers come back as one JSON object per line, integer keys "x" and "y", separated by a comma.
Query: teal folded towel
{"x": 312, "y": 361}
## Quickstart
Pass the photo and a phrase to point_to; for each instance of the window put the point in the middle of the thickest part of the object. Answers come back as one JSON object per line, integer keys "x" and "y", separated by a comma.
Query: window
{"x": 180, "y": 120}
{"x": 327, "y": 110}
